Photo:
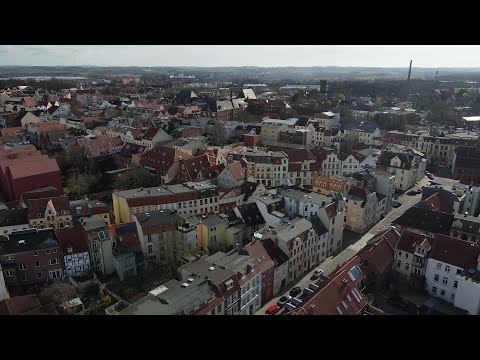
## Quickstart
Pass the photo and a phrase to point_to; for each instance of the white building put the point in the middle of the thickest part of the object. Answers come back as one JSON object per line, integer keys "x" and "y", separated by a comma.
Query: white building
{"x": 468, "y": 291}
{"x": 447, "y": 260}
{"x": 302, "y": 202}
{"x": 332, "y": 217}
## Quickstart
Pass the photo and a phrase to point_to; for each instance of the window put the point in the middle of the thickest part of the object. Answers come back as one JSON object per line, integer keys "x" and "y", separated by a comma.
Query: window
{"x": 399, "y": 263}
{"x": 439, "y": 266}
{"x": 47, "y": 252}
{"x": 54, "y": 251}
{"x": 8, "y": 273}
{"x": 436, "y": 277}
{"x": 53, "y": 261}
{"x": 434, "y": 290}
{"x": 459, "y": 271}
{"x": 447, "y": 269}
{"x": 442, "y": 292}
{"x": 445, "y": 281}
{"x": 399, "y": 253}
{"x": 22, "y": 267}
{"x": 94, "y": 245}
{"x": 24, "y": 277}
{"x": 407, "y": 267}
{"x": 150, "y": 249}
{"x": 35, "y": 253}
{"x": 37, "y": 263}
{"x": 455, "y": 284}
{"x": 39, "y": 275}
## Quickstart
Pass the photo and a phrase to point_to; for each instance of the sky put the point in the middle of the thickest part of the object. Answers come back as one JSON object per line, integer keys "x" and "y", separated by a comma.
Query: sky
{"x": 242, "y": 55}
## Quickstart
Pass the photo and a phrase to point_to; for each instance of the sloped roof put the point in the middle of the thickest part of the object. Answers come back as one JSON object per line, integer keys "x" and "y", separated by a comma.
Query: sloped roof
{"x": 38, "y": 206}
{"x": 162, "y": 157}
{"x": 340, "y": 295}
{"x": 379, "y": 250}
{"x": 73, "y": 238}
{"x": 126, "y": 233}
{"x": 237, "y": 170}
{"x": 426, "y": 219}
{"x": 194, "y": 165}
{"x": 435, "y": 202}
{"x": 456, "y": 252}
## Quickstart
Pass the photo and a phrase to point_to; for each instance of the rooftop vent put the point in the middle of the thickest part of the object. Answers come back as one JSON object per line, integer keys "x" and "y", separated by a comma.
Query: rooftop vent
{"x": 184, "y": 285}
{"x": 211, "y": 268}
{"x": 190, "y": 280}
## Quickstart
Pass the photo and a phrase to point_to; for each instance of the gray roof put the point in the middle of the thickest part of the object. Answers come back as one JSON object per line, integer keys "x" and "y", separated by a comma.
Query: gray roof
{"x": 149, "y": 305}
{"x": 201, "y": 267}
{"x": 303, "y": 195}
{"x": 29, "y": 240}
{"x": 212, "y": 220}
{"x": 94, "y": 222}
{"x": 154, "y": 191}
{"x": 470, "y": 224}
{"x": 158, "y": 217}
{"x": 267, "y": 199}
{"x": 173, "y": 297}
{"x": 234, "y": 260}
{"x": 11, "y": 217}
{"x": 365, "y": 127}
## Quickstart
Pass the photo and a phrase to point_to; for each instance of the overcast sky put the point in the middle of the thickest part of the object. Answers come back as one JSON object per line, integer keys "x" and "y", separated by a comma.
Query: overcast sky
{"x": 243, "y": 55}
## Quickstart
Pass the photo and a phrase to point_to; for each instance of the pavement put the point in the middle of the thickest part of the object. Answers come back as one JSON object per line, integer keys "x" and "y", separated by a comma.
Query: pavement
{"x": 352, "y": 243}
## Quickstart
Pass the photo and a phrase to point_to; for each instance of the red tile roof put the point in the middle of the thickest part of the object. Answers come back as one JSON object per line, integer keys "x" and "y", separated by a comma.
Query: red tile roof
{"x": 379, "y": 250}
{"x": 340, "y": 292}
{"x": 260, "y": 256}
{"x": 99, "y": 145}
{"x": 11, "y": 131}
{"x": 299, "y": 155}
{"x": 211, "y": 172}
{"x": 162, "y": 158}
{"x": 38, "y": 206}
{"x": 150, "y": 134}
{"x": 29, "y": 101}
{"x": 237, "y": 170}
{"x": 454, "y": 251}
{"x": 74, "y": 238}
{"x": 409, "y": 240}
{"x": 191, "y": 167}
{"x": 43, "y": 127}
{"x": 436, "y": 202}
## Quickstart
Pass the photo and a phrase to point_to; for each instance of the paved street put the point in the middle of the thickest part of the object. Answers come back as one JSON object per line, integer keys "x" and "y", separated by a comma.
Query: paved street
{"x": 353, "y": 243}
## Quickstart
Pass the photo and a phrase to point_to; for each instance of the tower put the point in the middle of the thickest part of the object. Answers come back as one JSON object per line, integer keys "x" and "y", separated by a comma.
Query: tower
{"x": 410, "y": 70}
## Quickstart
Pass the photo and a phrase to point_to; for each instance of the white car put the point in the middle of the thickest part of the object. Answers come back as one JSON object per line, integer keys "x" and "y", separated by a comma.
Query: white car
{"x": 317, "y": 273}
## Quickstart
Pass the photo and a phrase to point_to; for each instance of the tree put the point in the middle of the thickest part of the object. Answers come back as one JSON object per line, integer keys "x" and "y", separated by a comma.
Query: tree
{"x": 80, "y": 184}
{"x": 134, "y": 178}
{"x": 58, "y": 293}
{"x": 219, "y": 134}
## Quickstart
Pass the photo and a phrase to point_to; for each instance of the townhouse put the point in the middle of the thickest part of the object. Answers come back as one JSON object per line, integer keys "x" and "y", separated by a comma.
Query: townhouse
{"x": 160, "y": 237}
{"x": 189, "y": 198}
{"x": 267, "y": 168}
{"x": 302, "y": 166}
{"x": 52, "y": 212}
{"x": 360, "y": 210}
{"x": 75, "y": 252}
{"x": 30, "y": 258}
{"x": 362, "y": 132}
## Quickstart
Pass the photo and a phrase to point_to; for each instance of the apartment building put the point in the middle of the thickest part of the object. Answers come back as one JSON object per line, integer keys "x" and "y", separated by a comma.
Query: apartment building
{"x": 188, "y": 198}
{"x": 267, "y": 168}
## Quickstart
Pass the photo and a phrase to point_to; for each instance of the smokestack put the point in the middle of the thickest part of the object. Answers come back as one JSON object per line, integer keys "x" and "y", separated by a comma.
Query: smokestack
{"x": 410, "y": 70}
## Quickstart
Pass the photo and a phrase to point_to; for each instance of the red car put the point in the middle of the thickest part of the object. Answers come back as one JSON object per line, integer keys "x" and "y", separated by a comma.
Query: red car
{"x": 272, "y": 310}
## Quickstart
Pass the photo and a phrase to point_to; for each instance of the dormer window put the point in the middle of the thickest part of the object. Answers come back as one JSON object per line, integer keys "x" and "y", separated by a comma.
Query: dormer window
{"x": 70, "y": 250}
{"x": 229, "y": 284}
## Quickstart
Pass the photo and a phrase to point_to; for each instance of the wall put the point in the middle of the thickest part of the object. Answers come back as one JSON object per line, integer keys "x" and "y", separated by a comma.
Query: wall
{"x": 468, "y": 296}
{"x": 77, "y": 264}
{"x": 451, "y": 276}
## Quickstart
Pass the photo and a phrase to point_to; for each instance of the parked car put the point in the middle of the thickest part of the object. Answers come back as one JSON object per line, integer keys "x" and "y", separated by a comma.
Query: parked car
{"x": 396, "y": 204}
{"x": 272, "y": 310}
{"x": 317, "y": 273}
{"x": 283, "y": 300}
{"x": 412, "y": 192}
{"x": 295, "y": 291}
{"x": 419, "y": 191}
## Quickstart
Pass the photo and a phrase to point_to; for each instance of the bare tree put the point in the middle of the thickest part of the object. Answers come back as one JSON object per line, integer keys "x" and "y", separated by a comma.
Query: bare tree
{"x": 219, "y": 134}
